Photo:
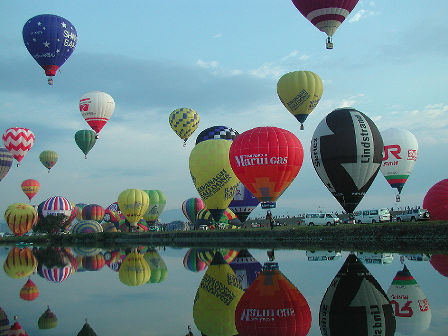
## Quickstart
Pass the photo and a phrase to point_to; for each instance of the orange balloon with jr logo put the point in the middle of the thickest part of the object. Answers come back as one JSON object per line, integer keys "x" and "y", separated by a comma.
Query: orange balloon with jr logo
{"x": 30, "y": 187}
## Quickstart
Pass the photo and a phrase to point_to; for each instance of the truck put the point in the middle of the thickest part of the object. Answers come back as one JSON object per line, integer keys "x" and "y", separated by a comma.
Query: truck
{"x": 412, "y": 215}
{"x": 372, "y": 216}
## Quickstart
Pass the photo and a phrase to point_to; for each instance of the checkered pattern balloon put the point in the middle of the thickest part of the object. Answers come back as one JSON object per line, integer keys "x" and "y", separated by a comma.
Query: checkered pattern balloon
{"x": 217, "y": 132}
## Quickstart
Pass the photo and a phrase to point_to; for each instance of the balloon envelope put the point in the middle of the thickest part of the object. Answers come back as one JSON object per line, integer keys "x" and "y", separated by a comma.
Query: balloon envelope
{"x": 217, "y": 132}
{"x": 20, "y": 218}
{"x": 30, "y": 188}
{"x": 29, "y": 291}
{"x": 133, "y": 204}
{"x": 212, "y": 175}
{"x": 93, "y": 212}
{"x": 96, "y": 107}
{"x": 5, "y": 162}
{"x": 57, "y": 205}
{"x": 157, "y": 202}
{"x": 436, "y": 200}
{"x": 47, "y": 320}
{"x": 400, "y": 154}
{"x": 134, "y": 270}
{"x": 87, "y": 226}
{"x": 246, "y": 268}
{"x": 192, "y": 262}
{"x": 184, "y": 122}
{"x": 50, "y": 39}
{"x": 191, "y": 207}
{"x": 266, "y": 160}
{"x": 19, "y": 263}
{"x": 243, "y": 203}
{"x": 48, "y": 158}
{"x": 18, "y": 141}
{"x": 346, "y": 151}
{"x": 300, "y": 92}
{"x": 85, "y": 139}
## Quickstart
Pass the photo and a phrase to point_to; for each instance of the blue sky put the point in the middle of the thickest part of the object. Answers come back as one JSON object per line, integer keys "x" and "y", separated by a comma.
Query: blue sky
{"x": 222, "y": 59}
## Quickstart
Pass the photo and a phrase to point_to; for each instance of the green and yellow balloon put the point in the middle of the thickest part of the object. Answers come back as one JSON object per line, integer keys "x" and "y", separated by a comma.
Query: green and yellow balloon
{"x": 157, "y": 204}
{"x": 300, "y": 92}
{"x": 184, "y": 122}
{"x": 133, "y": 204}
{"x": 48, "y": 158}
{"x": 85, "y": 139}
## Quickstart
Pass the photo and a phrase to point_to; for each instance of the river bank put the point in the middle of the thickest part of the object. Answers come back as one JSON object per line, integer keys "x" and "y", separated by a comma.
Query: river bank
{"x": 412, "y": 237}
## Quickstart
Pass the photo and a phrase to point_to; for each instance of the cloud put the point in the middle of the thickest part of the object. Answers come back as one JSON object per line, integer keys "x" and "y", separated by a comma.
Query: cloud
{"x": 217, "y": 36}
{"x": 207, "y": 65}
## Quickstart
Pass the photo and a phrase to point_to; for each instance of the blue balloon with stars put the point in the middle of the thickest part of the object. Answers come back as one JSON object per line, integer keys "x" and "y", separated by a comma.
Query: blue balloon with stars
{"x": 50, "y": 39}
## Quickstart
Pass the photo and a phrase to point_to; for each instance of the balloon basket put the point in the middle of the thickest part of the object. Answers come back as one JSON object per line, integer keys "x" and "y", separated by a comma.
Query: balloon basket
{"x": 50, "y": 81}
{"x": 268, "y": 205}
{"x": 329, "y": 44}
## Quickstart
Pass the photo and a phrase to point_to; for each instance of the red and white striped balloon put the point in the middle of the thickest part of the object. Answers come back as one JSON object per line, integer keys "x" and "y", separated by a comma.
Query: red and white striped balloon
{"x": 57, "y": 205}
{"x": 18, "y": 141}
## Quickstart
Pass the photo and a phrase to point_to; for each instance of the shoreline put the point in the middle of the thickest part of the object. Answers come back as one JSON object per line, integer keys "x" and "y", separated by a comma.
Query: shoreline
{"x": 412, "y": 237}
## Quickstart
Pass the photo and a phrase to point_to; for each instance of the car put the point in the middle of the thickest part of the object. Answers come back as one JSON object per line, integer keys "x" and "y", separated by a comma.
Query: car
{"x": 318, "y": 218}
{"x": 203, "y": 227}
{"x": 372, "y": 216}
{"x": 255, "y": 225}
{"x": 412, "y": 215}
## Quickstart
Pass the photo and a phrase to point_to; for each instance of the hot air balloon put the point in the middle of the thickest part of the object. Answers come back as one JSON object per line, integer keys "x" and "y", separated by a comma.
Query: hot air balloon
{"x": 86, "y": 251}
{"x": 400, "y": 154}
{"x": 246, "y": 268}
{"x": 109, "y": 227}
{"x": 207, "y": 255}
{"x": 16, "y": 329}
{"x": 85, "y": 139}
{"x": 212, "y": 175}
{"x": 30, "y": 188}
{"x": 216, "y": 299}
{"x": 94, "y": 262}
{"x": 346, "y": 151}
{"x": 159, "y": 271}
{"x": 4, "y": 322}
{"x": 87, "y": 226}
{"x": 57, "y": 205}
{"x": 20, "y": 218}
{"x": 113, "y": 214}
{"x": 48, "y": 158}
{"x": 134, "y": 270}
{"x": 67, "y": 221}
{"x": 355, "y": 304}
{"x": 5, "y": 162}
{"x": 18, "y": 141}
{"x": 86, "y": 330}
{"x": 19, "y": 263}
{"x": 440, "y": 263}
{"x": 300, "y": 92}
{"x": 54, "y": 274}
{"x": 283, "y": 308}
{"x": 204, "y": 217}
{"x": 133, "y": 204}
{"x": 47, "y": 320}
{"x": 184, "y": 122}
{"x": 190, "y": 208}
{"x": 266, "y": 160}
{"x": 157, "y": 202}
{"x": 192, "y": 262}
{"x": 436, "y": 200}
{"x": 93, "y": 212}
{"x": 96, "y": 107}
{"x": 50, "y": 39}
{"x": 217, "y": 132}
{"x": 29, "y": 291}
{"x": 243, "y": 203}
{"x": 411, "y": 307}
{"x": 80, "y": 206}
{"x": 327, "y": 16}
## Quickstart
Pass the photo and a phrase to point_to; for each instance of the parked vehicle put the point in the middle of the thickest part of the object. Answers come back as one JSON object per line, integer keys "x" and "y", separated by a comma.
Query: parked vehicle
{"x": 323, "y": 255}
{"x": 375, "y": 258}
{"x": 372, "y": 216}
{"x": 321, "y": 218}
{"x": 412, "y": 215}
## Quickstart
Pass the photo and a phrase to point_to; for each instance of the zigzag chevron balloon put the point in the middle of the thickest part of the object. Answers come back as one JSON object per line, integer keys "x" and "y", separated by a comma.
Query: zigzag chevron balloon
{"x": 18, "y": 141}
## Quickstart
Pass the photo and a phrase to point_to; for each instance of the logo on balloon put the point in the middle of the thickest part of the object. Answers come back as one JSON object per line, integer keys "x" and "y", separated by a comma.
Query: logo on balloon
{"x": 259, "y": 160}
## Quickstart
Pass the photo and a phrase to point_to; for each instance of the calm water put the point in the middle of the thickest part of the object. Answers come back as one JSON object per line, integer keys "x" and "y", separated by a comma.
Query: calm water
{"x": 166, "y": 307}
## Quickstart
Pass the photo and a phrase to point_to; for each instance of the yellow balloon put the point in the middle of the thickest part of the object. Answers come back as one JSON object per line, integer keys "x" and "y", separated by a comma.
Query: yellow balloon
{"x": 212, "y": 175}
{"x": 184, "y": 122}
{"x": 133, "y": 204}
{"x": 134, "y": 270}
{"x": 299, "y": 92}
{"x": 20, "y": 218}
{"x": 20, "y": 263}
{"x": 216, "y": 299}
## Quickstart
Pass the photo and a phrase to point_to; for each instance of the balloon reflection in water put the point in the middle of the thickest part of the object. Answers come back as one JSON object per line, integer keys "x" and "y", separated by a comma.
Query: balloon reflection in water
{"x": 159, "y": 271}
{"x": 54, "y": 274}
{"x": 134, "y": 270}
{"x": 29, "y": 291}
{"x": 47, "y": 320}
{"x": 355, "y": 303}
{"x": 206, "y": 255}
{"x": 16, "y": 329}
{"x": 272, "y": 306}
{"x": 4, "y": 322}
{"x": 19, "y": 263}
{"x": 192, "y": 262}
{"x": 216, "y": 299}
{"x": 412, "y": 310}
{"x": 86, "y": 330}
{"x": 246, "y": 268}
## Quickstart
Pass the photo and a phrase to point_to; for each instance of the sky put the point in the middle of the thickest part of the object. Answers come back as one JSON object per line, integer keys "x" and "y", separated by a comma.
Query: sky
{"x": 222, "y": 59}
